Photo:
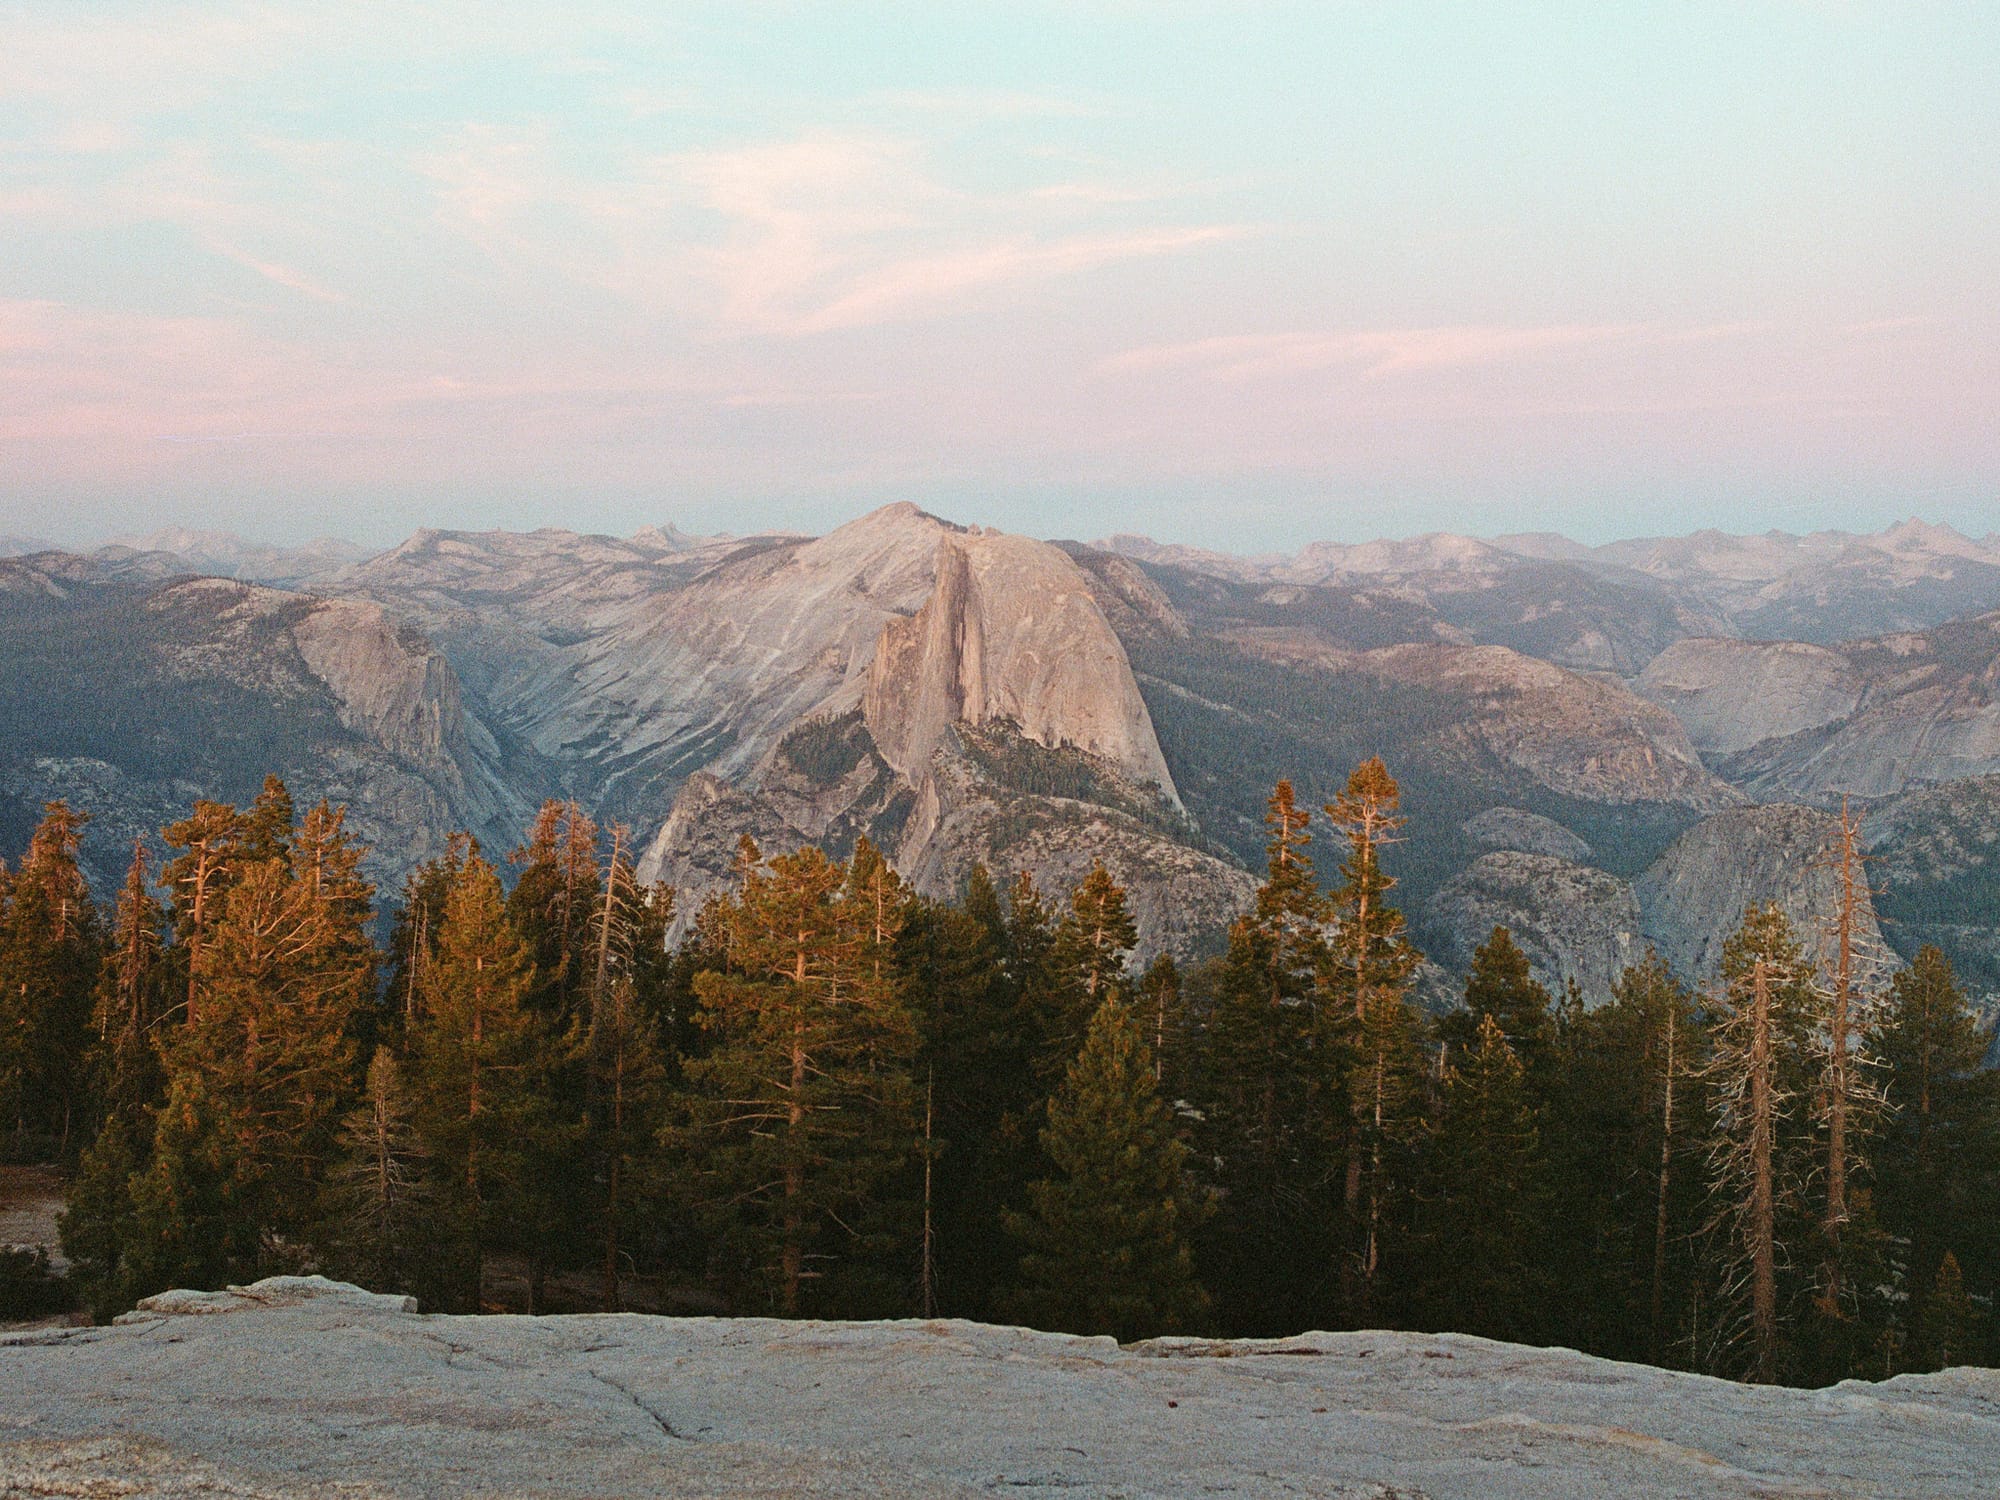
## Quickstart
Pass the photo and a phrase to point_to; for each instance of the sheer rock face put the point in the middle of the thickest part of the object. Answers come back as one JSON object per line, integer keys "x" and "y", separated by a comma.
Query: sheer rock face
{"x": 1011, "y": 631}
{"x": 299, "y": 1387}
{"x": 1734, "y": 694}
{"x": 1693, "y": 897}
{"x": 1867, "y": 718}
{"x": 1572, "y": 922}
{"x": 199, "y": 687}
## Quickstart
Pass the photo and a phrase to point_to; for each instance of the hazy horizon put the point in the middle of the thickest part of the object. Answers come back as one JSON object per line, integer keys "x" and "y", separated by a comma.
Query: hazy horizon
{"x": 161, "y": 534}
{"x": 1237, "y": 275}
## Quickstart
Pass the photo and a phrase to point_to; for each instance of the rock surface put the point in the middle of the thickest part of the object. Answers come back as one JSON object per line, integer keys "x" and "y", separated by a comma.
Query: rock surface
{"x": 317, "y": 1391}
{"x": 1694, "y": 895}
{"x": 1734, "y": 694}
{"x": 1572, "y": 922}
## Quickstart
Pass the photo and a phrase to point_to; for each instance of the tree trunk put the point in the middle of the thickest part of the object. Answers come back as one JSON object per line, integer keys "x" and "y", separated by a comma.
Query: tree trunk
{"x": 1666, "y": 1173}
{"x": 792, "y": 1265}
{"x": 929, "y": 1276}
{"x": 1837, "y": 1061}
{"x": 1763, "y": 1254}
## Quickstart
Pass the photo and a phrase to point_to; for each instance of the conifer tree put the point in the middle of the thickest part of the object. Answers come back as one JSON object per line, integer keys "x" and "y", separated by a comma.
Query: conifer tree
{"x": 50, "y": 946}
{"x": 99, "y": 1219}
{"x": 266, "y": 1067}
{"x": 267, "y": 827}
{"x": 552, "y": 905}
{"x": 1761, "y": 1069}
{"x": 802, "y": 1109}
{"x": 1938, "y": 1149}
{"x": 1161, "y": 1010}
{"x": 130, "y": 997}
{"x": 413, "y": 938}
{"x": 1096, "y": 936}
{"x": 1044, "y": 987}
{"x": 1084, "y": 961}
{"x": 479, "y": 1058}
{"x": 1271, "y": 1104}
{"x": 622, "y": 1047}
{"x": 1501, "y": 985}
{"x": 1483, "y": 1200}
{"x": 1623, "y": 1132}
{"x": 1106, "y": 1246}
{"x": 211, "y": 840}
{"x": 1367, "y": 977}
{"x": 973, "y": 1067}
{"x": 379, "y": 1201}
{"x": 1950, "y": 1329}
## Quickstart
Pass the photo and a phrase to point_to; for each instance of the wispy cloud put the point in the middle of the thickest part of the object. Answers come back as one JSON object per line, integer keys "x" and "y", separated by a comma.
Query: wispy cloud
{"x": 271, "y": 271}
{"x": 823, "y": 232}
{"x": 1373, "y": 353}
{"x": 911, "y": 286}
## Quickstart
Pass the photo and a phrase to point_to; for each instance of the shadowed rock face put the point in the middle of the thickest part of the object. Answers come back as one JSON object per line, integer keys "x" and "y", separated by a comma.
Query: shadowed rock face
{"x": 199, "y": 687}
{"x": 1572, "y": 922}
{"x": 1695, "y": 895}
{"x": 298, "y": 1386}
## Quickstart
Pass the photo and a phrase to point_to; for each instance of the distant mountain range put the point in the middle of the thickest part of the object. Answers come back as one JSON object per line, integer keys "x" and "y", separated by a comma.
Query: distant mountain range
{"x": 1600, "y": 746}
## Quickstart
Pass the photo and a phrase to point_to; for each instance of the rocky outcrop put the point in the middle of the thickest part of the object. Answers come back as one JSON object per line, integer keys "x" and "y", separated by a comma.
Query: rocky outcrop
{"x": 200, "y": 687}
{"x": 1010, "y": 632}
{"x": 1530, "y": 833}
{"x": 1929, "y": 712}
{"x": 1732, "y": 695}
{"x": 1573, "y": 922}
{"x": 1581, "y": 736}
{"x": 281, "y": 1395}
{"x": 1694, "y": 896}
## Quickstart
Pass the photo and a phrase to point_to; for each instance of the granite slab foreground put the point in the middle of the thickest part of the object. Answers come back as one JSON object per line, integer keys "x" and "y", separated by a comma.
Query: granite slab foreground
{"x": 305, "y": 1387}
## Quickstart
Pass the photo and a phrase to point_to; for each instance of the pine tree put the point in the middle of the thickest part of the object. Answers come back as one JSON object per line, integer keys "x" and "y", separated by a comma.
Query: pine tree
{"x": 1367, "y": 977}
{"x": 379, "y": 1201}
{"x": 973, "y": 1066}
{"x": 211, "y": 841}
{"x": 267, "y": 1065}
{"x": 50, "y": 946}
{"x": 1501, "y": 985}
{"x": 802, "y": 1110}
{"x": 413, "y": 938}
{"x": 1482, "y": 1204}
{"x": 1762, "y": 1068}
{"x": 1161, "y": 1010}
{"x": 1083, "y": 962}
{"x": 1938, "y": 1149}
{"x": 99, "y": 1220}
{"x": 552, "y": 905}
{"x": 479, "y": 1059}
{"x": 1847, "y": 1099}
{"x": 130, "y": 994}
{"x": 622, "y": 1047}
{"x": 1271, "y": 1102}
{"x": 1623, "y": 1130}
{"x": 1106, "y": 1249}
{"x": 267, "y": 827}
{"x": 1044, "y": 987}
{"x": 1950, "y": 1329}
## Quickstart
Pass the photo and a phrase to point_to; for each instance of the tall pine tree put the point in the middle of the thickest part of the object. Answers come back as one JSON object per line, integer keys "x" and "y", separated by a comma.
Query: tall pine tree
{"x": 1106, "y": 1237}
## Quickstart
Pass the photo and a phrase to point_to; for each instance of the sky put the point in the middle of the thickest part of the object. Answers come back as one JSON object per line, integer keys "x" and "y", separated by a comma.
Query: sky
{"x": 1238, "y": 274}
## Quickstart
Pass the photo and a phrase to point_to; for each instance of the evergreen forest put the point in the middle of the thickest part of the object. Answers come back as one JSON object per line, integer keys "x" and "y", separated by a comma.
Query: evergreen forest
{"x": 530, "y": 1082}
